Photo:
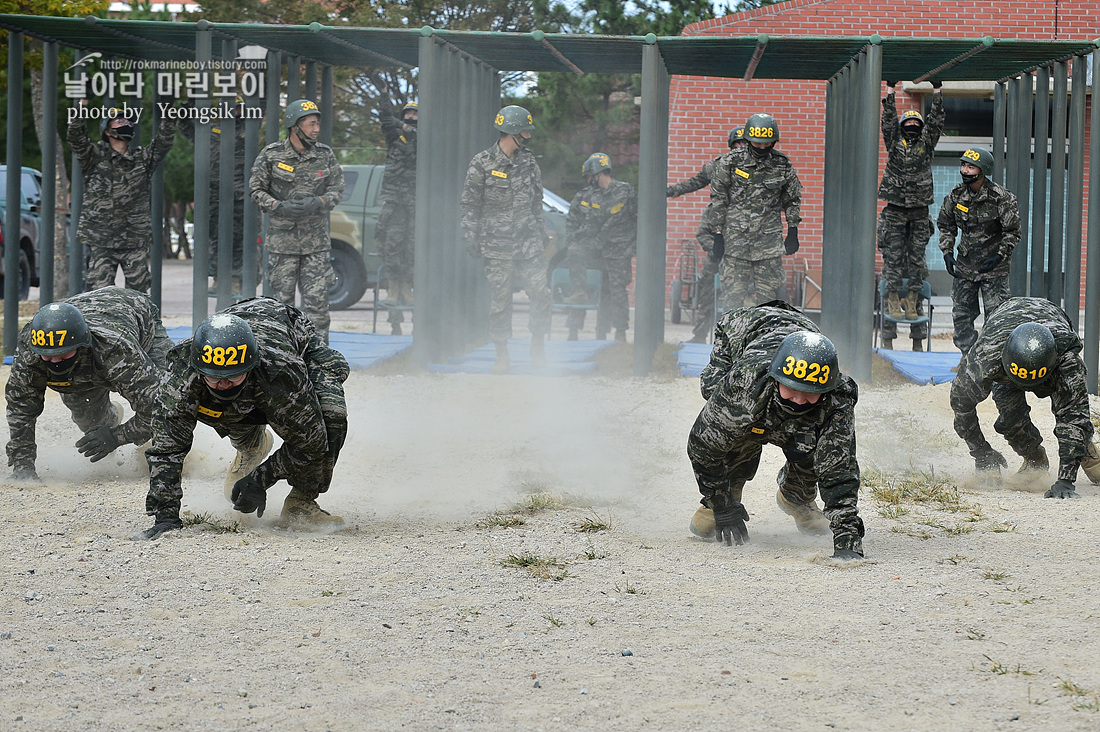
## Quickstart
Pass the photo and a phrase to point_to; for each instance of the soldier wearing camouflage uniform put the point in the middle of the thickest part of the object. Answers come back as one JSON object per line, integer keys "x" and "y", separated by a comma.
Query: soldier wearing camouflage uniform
{"x": 1028, "y": 345}
{"x": 904, "y": 226}
{"x": 84, "y": 348}
{"x": 773, "y": 378}
{"x": 394, "y": 233}
{"x": 116, "y": 221}
{"x": 603, "y": 236}
{"x": 256, "y": 363}
{"x": 986, "y": 217}
{"x": 704, "y": 292}
{"x": 298, "y": 182}
{"x": 187, "y": 128}
{"x": 502, "y": 222}
{"x": 751, "y": 186}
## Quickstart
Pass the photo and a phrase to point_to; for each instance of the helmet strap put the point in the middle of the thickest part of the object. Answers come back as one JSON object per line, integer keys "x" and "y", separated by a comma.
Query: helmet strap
{"x": 307, "y": 143}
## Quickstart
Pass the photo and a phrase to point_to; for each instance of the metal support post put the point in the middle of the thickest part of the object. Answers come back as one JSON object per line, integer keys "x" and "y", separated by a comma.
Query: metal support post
{"x": 1076, "y": 184}
{"x": 310, "y": 90}
{"x": 46, "y": 233}
{"x": 156, "y": 206}
{"x": 1092, "y": 254}
{"x": 1055, "y": 282}
{"x": 293, "y": 78}
{"x": 1039, "y": 183}
{"x": 12, "y": 210}
{"x": 227, "y": 196}
{"x": 201, "y": 248}
{"x": 326, "y": 105}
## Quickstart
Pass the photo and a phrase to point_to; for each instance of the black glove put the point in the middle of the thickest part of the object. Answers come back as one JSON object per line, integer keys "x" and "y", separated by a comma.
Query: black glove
{"x": 1062, "y": 489}
{"x": 949, "y": 262}
{"x": 891, "y": 83}
{"x": 293, "y": 208}
{"x": 161, "y": 526}
{"x": 97, "y": 443}
{"x": 790, "y": 244}
{"x": 729, "y": 524}
{"x": 669, "y": 193}
{"x": 24, "y": 473}
{"x": 314, "y": 204}
{"x": 989, "y": 459}
{"x": 718, "y": 249}
{"x": 248, "y": 496}
{"x": 937, "y": 84}
{"x": 989, "y": 263}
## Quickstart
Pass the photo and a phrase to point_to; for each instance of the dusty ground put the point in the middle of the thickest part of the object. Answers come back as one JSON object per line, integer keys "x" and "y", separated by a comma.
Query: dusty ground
{"x": 971, "y": 614}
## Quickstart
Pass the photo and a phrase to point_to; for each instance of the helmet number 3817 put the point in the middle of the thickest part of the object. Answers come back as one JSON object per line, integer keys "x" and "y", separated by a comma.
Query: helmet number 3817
{"x": 813, "y": 373}
{"x": 48, "y": 337}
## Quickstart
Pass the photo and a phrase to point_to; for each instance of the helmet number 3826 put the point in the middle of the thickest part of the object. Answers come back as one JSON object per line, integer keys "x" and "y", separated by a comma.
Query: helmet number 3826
{"x": 761, "y": 132}
{"x": 231, "y": 356}
{"x": 814, "y": 373}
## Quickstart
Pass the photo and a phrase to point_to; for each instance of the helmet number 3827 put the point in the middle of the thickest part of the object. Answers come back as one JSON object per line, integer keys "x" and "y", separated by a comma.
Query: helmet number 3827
{"x": 813, "y": 373}
{"x": 231, "y": 356}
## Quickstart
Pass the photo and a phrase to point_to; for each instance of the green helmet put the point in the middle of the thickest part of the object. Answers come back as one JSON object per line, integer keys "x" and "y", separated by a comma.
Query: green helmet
{"x": 407, "y": 107}
{"x": 980, "y": 157}
{"x": 297, "y": 110}
{"x": 513, "y": 120}
{"x": 806, "y": 362}
{"x": 1029, "y": 355}
{"x": 762, "y": 128}
{"x": 224, "y": 347}
{"x": 596, "y": 163}
{"x": 736, "y": 136}
{"x": 911, "y": 114}
{"x": 59, "y": 328}
{"x": 112, "y": 114}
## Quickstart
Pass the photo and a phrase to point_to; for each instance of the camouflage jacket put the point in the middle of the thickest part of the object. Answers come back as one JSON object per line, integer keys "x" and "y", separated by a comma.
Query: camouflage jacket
{"x": 502, "y": 205}
{"x": 399, "y": 179}
{"x": 736, "y": 386}
{"x": 281, "y": 173}
{"x": 127, "y": 354}
{"x": 907, "y": 180}
{"x": 187, "y": 129}
{"x": 117, "y": 211}
{"x": 297, "y": 379}
{"x": 982, "y": 372}
{"x": 608, "y": 219}
{"x": 989, "y": 222}
{"x": 747, "y": 196}
{"x": 699, "y": 180}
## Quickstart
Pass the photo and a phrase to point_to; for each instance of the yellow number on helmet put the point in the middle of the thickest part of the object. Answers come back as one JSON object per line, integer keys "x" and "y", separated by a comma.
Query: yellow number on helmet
{"x": 972, "y": 155}
{"x": 800, "y": 369}
{"x": 500, "y": 119}
{"x": 788, "y": 365}
{"x": 206, "y": 354}
{"x": 824, "y": 378}
{"x": 309, "y": 105}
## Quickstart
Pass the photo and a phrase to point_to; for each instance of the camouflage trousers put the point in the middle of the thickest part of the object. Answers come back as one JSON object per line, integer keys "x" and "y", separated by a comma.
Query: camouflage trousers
{"x": 104, "y": 263}
{"x": 1014, "y": 420}
{"x": 964, "y": 306}
{"x": 238, "y": 237}
{"x": 501, "y": 274}
{"x": 614, "y": 308}
{"x": 91, "y": 407}
{"x": 704, "y": 299}
{"x": 394, "y": 236}
{"x": 312, "y": 275}
{"x": 747, "y": 282}
{"x": 903, "y": 234}
{"x": 724, "y": 462}
{"x": 312, "y": 483}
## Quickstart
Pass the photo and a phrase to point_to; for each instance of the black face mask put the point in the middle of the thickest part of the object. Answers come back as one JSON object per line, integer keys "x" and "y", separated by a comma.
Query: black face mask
{"x": 122, "y": 132}
{"x": 911, "y": 132}
{"x": 226, "y": 395}
{"x": 62, "y": 368}
{"x": 410, "y": 123}
{"x": 968, "y": 179}
{"x": 793, "y": 408}
{"x": 521, "y": 141}
{"x": 758, "y": 153}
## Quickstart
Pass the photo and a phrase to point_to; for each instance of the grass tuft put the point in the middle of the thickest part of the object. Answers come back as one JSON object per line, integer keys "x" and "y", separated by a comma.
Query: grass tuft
{"x": 594, "y": 523}
{"x": 217, "y": 525}
{"x": 537, "y": 566}
{"x": 501, "y": 521}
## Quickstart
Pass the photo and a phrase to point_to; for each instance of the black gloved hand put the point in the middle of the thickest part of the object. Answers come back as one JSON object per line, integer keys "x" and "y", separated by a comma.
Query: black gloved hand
{"x": 21, "y": 473}
{"x": 97, "y": 443}
{"x": 669, "y": 193}
{"x": 729, "y": 524}
{"x": 890, "y": 83}
{"x": 248, "y": 496}
{"x": 314, "y": 204}
{"x": 161, "y": 526}
{"x": 937, "y": 84}
{"x": 293, "y": 208}
{"x": 790, "y": 244}
{"x": 949, "y": 262}
{"x": 989, "y": 460}
{"x": 1062, "y": 489}
{"x": 718, "y": 248}
{"x": 989, "y": 263}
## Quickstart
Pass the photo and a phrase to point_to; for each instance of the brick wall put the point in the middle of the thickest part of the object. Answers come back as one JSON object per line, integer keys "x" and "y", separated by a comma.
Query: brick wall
{"x": 704, "y": 109}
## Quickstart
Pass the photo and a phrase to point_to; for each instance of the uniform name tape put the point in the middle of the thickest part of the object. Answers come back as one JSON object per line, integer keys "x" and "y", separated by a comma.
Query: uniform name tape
{"x": 284, "y": 166}
{"x": 741, "y": 173}
{"x": 209, "y": 412}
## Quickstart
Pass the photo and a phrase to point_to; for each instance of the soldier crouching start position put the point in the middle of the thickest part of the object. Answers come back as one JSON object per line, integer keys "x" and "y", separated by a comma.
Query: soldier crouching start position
{"x": 1028, "y": 345}
{"x": 773, "y": 378}
{"x": 254, "y": 364}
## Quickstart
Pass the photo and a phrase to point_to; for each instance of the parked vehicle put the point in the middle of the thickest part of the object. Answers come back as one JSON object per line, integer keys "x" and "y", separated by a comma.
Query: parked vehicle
{"x": 355, "y": 259}
{"x": 30, "y": 207}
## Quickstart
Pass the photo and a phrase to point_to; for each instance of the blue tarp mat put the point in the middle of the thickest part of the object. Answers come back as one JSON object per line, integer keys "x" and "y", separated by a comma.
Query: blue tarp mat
{"x": 921, "y": 366}
{"x": 692, "y": 357}
{"x": 362, "y": 350}
{"x": 562, "y": 357}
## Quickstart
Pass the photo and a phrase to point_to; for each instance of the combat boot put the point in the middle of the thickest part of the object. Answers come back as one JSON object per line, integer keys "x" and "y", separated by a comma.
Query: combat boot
{"x": 406, "y": 293}
{"x": 300, "y": 509}
{"x": 503, "y": 363}
{"x": 601, "y": 335}
{"x": 702, "y": 523}
{"x": 887, "y": 344}
{"x": 917, "y": 344}
{"x": 573, "y": 334}
{"x": 393, "y": 294}
{"x": 538, "y": 352}
{"x": 808, "y": 517}
{"x": 1036, "y": 460}
{"x": 580, "y": 297}
{"x": 893, "y": 306}
{"x": 909, "y": 305}
{"x": 247, "y": 460}
{"x": 620, "y": 335}
{"x": 395, "y": 329}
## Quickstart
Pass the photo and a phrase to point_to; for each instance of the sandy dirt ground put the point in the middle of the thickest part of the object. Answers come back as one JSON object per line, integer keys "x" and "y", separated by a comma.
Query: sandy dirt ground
{"x": 978, "y": 611}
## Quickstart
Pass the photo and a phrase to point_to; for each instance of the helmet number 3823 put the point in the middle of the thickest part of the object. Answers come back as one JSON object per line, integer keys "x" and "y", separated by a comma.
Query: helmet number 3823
{"x": 814, "y": 373}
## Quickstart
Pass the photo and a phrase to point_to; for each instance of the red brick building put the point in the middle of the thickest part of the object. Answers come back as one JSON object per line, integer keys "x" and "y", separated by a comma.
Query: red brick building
{"x": 704, "y": 109}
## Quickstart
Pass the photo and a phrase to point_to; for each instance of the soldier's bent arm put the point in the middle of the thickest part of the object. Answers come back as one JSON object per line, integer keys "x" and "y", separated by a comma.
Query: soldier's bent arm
{"x": 334, "y": 189}
{"x": 1010, "y": 226}
{"x": 305, "y": 438}
{"x": 82, "y": 145}
{"x": 949, "y": 229}
{"x": 791, "y": 198}
{"x": 1070, "y": 405}
{"x": 162, "y": 143}
{"x": 25, "y": 393}
{"x": 966, "y": 394}
{"x": 391, "y": 123}
{"x": 694, "y": 183}
{"x": 721, "y": 361}
{"x": 714, "y": 216}
{"x": 536, "y": 204}
{"x": 173, "y": 434}
{"x": 889, "y": 122}
{"x": 473, "y": 197}
{"x": 835, "y": 463}
{"x": 259, "y": 183}
{"x": 133, "y": 374}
